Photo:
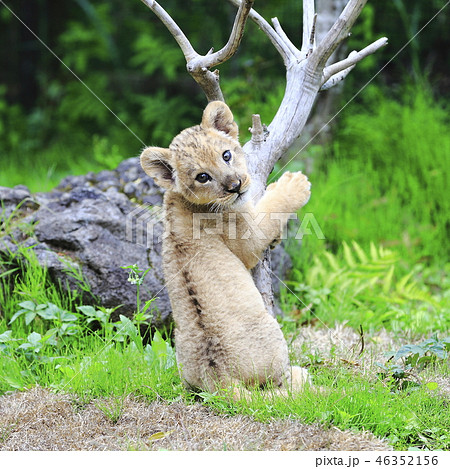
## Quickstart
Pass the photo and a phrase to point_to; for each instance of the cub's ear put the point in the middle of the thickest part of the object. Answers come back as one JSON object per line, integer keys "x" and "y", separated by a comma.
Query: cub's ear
{"x": 217, "y": 115}
{"x": 155, "y": 162}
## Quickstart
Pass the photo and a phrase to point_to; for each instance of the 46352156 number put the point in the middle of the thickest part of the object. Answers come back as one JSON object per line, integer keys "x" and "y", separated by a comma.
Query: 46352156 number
{"x": 407, "y": 460}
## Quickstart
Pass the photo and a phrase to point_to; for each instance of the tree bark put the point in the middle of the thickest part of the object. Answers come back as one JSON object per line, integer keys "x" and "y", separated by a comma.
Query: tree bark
{"x": 307, "y": 72}
{"x": 318, "y": 126}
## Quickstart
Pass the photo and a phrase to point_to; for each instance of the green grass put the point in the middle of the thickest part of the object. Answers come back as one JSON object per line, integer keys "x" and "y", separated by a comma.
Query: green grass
{"x": 369, "y": 287}
{"x": 56, "y": 348}
{"x": 91, "y": 365}
{"x": 385, "y": 178}
{"x": 22, "y": 279}
{"x": 379, "y": 197}
{"x": 48, "y": 337}
{"x": 42, "y": 169}
{"x": 351, "y": 401}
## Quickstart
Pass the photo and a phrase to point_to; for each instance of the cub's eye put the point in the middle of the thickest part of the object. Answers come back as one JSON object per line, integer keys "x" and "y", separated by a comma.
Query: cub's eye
{"x": 202, "y": 178}
{"x": 226, "y": 155}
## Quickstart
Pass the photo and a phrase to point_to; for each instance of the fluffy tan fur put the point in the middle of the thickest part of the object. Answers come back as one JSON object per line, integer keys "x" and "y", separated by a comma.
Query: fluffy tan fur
{"x": 213, "y": 236}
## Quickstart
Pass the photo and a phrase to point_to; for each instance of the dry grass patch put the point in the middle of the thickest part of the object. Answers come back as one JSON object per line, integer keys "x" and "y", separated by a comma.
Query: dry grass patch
{"x": 41, "y": 420}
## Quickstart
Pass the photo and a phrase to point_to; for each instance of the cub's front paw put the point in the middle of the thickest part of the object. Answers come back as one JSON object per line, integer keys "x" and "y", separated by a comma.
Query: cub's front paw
{"x": 295, "y": 187}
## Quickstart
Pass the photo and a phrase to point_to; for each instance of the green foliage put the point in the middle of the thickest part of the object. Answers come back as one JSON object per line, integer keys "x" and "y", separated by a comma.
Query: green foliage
{"x": 25, "y": 283}
{"x": 384, "y": 179}
{"x": 42, "y": 170}
{"x": 401, "y": 366}
{"x": 67, "y": 354}
{"x": 411, "y": 38}
{"x": 82, "y": 44}
{"x": 62, "y": 322}
{"x": 11, "y": 123}
{"x": 400, "y": 151}
{"x": 168, "y": 61}
{"x": 99, "y": 316}
{"x": 104, "y": 358}
{"x": 423, "y": 353}
{"x": 49, "y": 312}
{"x": 378, "y": 195}
{"x": 50, "y": 344}
{"x": 368, "y": 288}
{"x": 131, "y": 63}
{"x": 165, "y": 124}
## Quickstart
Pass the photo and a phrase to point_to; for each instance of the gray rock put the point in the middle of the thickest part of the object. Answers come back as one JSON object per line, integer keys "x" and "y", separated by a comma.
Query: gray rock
{"x": 81, "y": 226}
{"x": 96, "y": 224}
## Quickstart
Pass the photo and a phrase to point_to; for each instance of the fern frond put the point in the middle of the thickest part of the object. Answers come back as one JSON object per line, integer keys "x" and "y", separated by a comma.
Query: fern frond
{"x": 332, "y": 260}
{"x": 360, "y": 252}
{"x": 348, "y": 256}
{"x": 387, "y": 282}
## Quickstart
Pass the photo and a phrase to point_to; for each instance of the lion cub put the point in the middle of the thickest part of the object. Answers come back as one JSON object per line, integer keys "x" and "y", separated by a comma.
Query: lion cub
{"x": 214, "y": 234}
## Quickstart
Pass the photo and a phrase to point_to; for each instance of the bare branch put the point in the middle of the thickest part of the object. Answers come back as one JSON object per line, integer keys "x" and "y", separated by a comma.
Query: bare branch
{"x": 352, "y": 59}
{"x": 339, "y": 31}
{"x": 235, "y": 37}
{"x": 308, "y": 21}
{"x": 222, "y": 55}
{"x": 273, "y": 36}
{"x": 337, "y": 77}
{"x": 293, "y": 50}
{"x": 199, "y": 65}
{"x": 173, "y": 28}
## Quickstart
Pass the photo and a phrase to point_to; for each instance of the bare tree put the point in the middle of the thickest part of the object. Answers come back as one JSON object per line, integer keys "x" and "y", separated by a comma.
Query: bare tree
{"x": 307, "y": 73}
{"x": 319, "y": 125}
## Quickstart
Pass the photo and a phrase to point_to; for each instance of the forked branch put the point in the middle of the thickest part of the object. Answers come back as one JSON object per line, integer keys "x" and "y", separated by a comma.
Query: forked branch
{"x": 199, "y": 65}
{"x": 269, "y": 31}
{"x": 353, "y": 58}
{"x": 338, "y": 33}
{"x": 307, "y": 72}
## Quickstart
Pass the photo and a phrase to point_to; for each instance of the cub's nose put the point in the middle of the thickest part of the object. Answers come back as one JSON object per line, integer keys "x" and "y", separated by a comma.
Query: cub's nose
{"x": 234, "y": 187}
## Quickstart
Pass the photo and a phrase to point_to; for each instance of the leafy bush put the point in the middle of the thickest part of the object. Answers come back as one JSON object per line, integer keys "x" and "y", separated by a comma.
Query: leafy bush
{"x": 383, "y": 180}
{"x": 402, "y": 366}
{"x": 367, "y": 288}
{"x": 52, "y": 346}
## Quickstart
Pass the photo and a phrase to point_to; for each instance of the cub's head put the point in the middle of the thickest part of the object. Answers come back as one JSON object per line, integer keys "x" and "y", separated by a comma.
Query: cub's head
{"x": 205, "y": 163}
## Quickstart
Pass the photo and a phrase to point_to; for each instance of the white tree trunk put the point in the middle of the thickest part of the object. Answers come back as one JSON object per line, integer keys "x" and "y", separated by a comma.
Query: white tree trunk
{"x": 307, "y": 72}
{"x": 318, "y": 127}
